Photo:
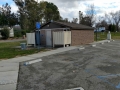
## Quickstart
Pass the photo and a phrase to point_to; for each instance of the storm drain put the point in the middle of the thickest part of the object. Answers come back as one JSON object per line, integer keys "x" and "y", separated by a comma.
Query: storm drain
{"x": 79, "y": 88}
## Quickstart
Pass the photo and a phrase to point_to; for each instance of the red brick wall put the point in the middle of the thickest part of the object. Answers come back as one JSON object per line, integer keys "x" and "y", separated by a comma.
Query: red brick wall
{"x": 82, "y": 37}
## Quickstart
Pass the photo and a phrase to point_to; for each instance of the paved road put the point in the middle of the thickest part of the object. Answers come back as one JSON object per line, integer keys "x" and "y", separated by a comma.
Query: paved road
{"x": 9, "y": 68}
{"x": 92, "y": 68}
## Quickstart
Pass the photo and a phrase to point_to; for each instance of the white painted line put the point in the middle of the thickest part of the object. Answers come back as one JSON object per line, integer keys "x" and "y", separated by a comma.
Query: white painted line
{"x": 79, "y": 88}
{"x": 102, "y": 43}
{"x": 31, "y": 62}
{"x": 94, "y": 45}
{"x": 108, "y": 41}
{"x": 81, "y": 48}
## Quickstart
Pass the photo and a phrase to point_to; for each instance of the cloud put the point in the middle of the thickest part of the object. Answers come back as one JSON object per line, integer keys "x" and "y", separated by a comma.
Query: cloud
{"x": 70, "y": 8}
{"x": 14, "y": 8}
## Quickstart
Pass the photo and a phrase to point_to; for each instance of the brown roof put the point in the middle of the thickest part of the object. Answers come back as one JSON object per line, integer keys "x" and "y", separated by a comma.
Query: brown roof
{"x": 72, "y": 25}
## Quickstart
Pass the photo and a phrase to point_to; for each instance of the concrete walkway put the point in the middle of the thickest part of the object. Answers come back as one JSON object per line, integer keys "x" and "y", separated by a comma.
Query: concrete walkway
{"x": 9, "y": 68}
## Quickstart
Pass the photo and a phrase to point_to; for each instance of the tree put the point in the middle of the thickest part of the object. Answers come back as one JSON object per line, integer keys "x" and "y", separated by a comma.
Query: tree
{"x": 80, "y": 16}
{"x": 113, "y": 28}
{"x": 5, "y": 33}
{"x": 75, "y": 20}
{"x": 90, "y": 15}
{"x": 64, "y": 20}
{"x": 32, "y": 12}
{"x": 116, "y": 18}
{"x": 102, "y": 23}
{"x": 110, "y": 27}
{"x": 51, "y": 12}
{"x": 86, "y": 21}
{"x": 108, "y": 18}
{"x": 6, "y": 17}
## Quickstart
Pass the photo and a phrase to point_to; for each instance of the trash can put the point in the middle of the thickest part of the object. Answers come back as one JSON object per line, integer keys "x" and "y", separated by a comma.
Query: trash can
{"x": 23, "y": 46}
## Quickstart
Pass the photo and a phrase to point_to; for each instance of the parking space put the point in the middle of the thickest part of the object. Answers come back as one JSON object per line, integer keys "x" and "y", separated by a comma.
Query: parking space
{"x": 92, "y": 68}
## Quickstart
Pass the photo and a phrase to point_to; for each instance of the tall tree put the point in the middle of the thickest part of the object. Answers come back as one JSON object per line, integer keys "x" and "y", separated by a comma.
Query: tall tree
{"x": 32, "y": 12}
{"x": 80, "y": 16}
{"x": 51, "y": 12}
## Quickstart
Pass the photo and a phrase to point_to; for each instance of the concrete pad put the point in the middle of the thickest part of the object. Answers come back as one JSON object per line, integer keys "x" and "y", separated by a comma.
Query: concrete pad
{"x": 8, "y": 87}
{"x": 9, "y": 68}
{"x": 8, "y": 76}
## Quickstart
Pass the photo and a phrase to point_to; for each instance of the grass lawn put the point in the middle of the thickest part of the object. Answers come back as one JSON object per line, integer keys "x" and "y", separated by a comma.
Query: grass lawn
{"x": 8, "y": 50}
{"x": 103, "y": 35}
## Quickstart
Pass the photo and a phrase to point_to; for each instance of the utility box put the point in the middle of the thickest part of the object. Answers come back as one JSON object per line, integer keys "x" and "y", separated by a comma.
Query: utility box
{"x": 11, "y": 34}
{"x": 23, "y": 46}
{"x": 30, "y": 38}
{"x": 109, "y": 36}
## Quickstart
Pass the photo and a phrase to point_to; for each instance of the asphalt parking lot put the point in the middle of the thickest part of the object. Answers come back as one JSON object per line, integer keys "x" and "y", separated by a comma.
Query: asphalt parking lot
{"x": 92, "y": 68}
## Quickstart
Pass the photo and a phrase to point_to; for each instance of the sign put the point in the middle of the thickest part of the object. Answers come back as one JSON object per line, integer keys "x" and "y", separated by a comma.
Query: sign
{"x": 37, "y": 25}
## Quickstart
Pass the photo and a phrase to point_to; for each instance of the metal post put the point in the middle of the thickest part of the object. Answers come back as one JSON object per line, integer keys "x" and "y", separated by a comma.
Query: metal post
{"x": 96, "y": 34}
{"x": 39, "y": 38}
{"x": 79, "y": 16}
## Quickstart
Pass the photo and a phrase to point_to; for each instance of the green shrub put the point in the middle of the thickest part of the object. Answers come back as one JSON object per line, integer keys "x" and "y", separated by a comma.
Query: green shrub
{"x": 17, "y": 33}
{"x": 5, "y": 33}
{"x": 23, "y": 32}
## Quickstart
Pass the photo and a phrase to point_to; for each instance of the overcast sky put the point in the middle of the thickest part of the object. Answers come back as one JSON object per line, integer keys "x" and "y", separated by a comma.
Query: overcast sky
{"x": 70, "y": 8}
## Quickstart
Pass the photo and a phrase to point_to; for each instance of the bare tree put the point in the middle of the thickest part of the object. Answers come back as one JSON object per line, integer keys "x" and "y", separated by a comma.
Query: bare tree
{"x": 90, "y": 12}
{"x": 108, "y": 18}
{"x": 116, "y": 18}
